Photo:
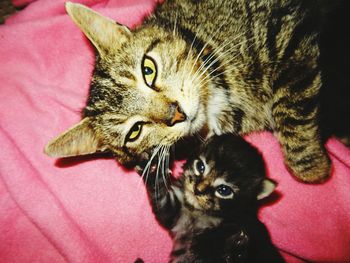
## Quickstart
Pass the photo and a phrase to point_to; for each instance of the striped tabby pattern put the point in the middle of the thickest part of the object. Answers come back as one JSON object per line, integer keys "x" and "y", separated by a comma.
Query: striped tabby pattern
{"x": 213, "y": 67}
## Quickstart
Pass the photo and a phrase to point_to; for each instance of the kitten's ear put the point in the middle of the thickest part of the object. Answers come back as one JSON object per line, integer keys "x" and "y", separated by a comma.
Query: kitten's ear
{"x": 268, "y": 186}
{"x": 104, "y": 33}
{"x": 78, "y": 140}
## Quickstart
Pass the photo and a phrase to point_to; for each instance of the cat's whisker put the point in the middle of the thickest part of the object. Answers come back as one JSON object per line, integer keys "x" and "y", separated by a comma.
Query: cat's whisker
{"x": 161, "y": 161}
{"x": 144, "y": 174}
{"x": 147, "y": 168}
{"x": 159, "y": 168}
{"x": 175, "y": 22}
{"x": 164, "y": 168}
{"x": 204, "y": 46}
{"x": 187, "y": 60}
{"x": 214, "y": 53}
{"x": 200, "y": 137}
{"x": 156, "y": 189}
{"x": 167, "y": 163}
{"x": 170, "y": 148}
{"x": 209, "y": 77}
{"x": 218, "y": 50}
{"x": 223, "y": 54}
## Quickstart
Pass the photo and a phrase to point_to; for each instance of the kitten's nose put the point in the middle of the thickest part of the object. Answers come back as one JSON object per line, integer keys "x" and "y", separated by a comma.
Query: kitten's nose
{"x": 201, "y": 187}
{"x": 177, "y": 114}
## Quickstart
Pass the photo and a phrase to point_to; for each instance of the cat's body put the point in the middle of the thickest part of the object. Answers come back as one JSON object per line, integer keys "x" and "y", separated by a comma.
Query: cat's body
{"x": 204, "y": 67}
{"x": 211, "y": 211}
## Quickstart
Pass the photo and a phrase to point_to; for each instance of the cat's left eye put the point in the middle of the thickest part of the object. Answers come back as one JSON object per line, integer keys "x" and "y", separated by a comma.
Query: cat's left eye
{"x": 224, "y": 191}
{"x": 149, "y": 71}
{"x": 134, "y": 132}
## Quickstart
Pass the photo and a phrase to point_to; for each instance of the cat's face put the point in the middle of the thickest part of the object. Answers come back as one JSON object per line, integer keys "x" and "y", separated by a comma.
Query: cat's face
{"x": 146, "y": 95}
{"x": 145, "y": 90}
{"x": 226, "y": 173}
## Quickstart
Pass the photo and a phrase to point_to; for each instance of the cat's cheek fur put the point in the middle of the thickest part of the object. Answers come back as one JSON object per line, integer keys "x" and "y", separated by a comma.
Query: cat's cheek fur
{"x": 194, "y": 108}
{"x": 216, "y": 103}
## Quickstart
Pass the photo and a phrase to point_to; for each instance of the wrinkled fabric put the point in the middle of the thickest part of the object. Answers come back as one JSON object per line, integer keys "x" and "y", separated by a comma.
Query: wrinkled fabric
{"x": 90, "y": 209}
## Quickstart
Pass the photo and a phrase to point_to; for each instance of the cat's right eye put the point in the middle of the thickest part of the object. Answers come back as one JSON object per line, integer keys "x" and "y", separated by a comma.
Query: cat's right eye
{"x": 149, "y": 71}
{"x": 134, "y": 132}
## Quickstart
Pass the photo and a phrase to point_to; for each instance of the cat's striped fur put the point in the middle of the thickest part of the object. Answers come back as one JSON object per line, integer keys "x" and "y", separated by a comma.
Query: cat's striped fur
{"x": 233, "y": 66}
{"x": 208, "y": 227}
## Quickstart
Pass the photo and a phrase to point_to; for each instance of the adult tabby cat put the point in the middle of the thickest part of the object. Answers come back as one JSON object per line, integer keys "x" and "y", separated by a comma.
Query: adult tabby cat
{"x": 211, "y": 211}
{"x": 202, "y": 68}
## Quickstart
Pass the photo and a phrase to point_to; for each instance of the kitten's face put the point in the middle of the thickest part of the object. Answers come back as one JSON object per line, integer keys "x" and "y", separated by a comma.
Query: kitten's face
{"x": 144, "y": 94}
{"x": 227, "y": 172}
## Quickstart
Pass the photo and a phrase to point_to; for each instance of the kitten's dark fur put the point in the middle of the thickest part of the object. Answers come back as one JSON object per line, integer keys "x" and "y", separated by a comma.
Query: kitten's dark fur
{"x": 211, "y": 211}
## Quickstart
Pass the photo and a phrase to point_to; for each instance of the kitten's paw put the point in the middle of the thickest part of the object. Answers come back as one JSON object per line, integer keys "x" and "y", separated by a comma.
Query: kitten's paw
{"x": 139, "y": 169}
{"x": 311, "y": 171}
{"x": 142, "y": 163}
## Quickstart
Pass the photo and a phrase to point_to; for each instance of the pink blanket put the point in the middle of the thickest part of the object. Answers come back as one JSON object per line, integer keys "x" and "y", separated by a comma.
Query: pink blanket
{"x": 91, "y": 209}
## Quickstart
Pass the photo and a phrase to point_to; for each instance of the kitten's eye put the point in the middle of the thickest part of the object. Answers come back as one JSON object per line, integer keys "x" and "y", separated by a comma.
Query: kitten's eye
{"x": 149, "y": 71}
{"x": 224, "y": 191}
{"x": 134, "y": 132}
{"x": 199, "y": 166}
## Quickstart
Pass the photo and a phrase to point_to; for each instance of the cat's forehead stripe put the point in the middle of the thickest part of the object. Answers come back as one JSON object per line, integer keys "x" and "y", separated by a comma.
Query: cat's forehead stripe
{"x": 115, "y": 121}
{"x": 102, "y": 73}
{"x": 127, "y": 74}
{"x": 152, "y": 45}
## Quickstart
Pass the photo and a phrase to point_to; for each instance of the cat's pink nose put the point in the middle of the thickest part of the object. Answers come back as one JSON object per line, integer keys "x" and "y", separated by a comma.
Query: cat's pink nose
{"x": 178, "y": 115}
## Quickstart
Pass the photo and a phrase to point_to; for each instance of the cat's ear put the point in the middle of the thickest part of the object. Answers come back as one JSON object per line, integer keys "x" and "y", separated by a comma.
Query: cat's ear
{"x": 104, "y": 33}
{"x": 78, "y": 140}
{"x": 268, "y": 186}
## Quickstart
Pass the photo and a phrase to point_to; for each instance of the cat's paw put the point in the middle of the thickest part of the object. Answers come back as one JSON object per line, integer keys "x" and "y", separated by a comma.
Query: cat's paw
{"x": 312, "y": 171}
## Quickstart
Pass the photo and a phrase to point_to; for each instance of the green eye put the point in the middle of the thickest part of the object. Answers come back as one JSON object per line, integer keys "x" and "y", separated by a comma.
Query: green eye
{"x": 134, "y": 132}
{"x": 149, "y": 71}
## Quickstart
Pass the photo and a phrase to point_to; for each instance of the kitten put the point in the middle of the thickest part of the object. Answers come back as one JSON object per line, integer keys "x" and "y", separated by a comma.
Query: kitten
{"x": 203, "y": 68}
{"x": 211, "y": 211}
